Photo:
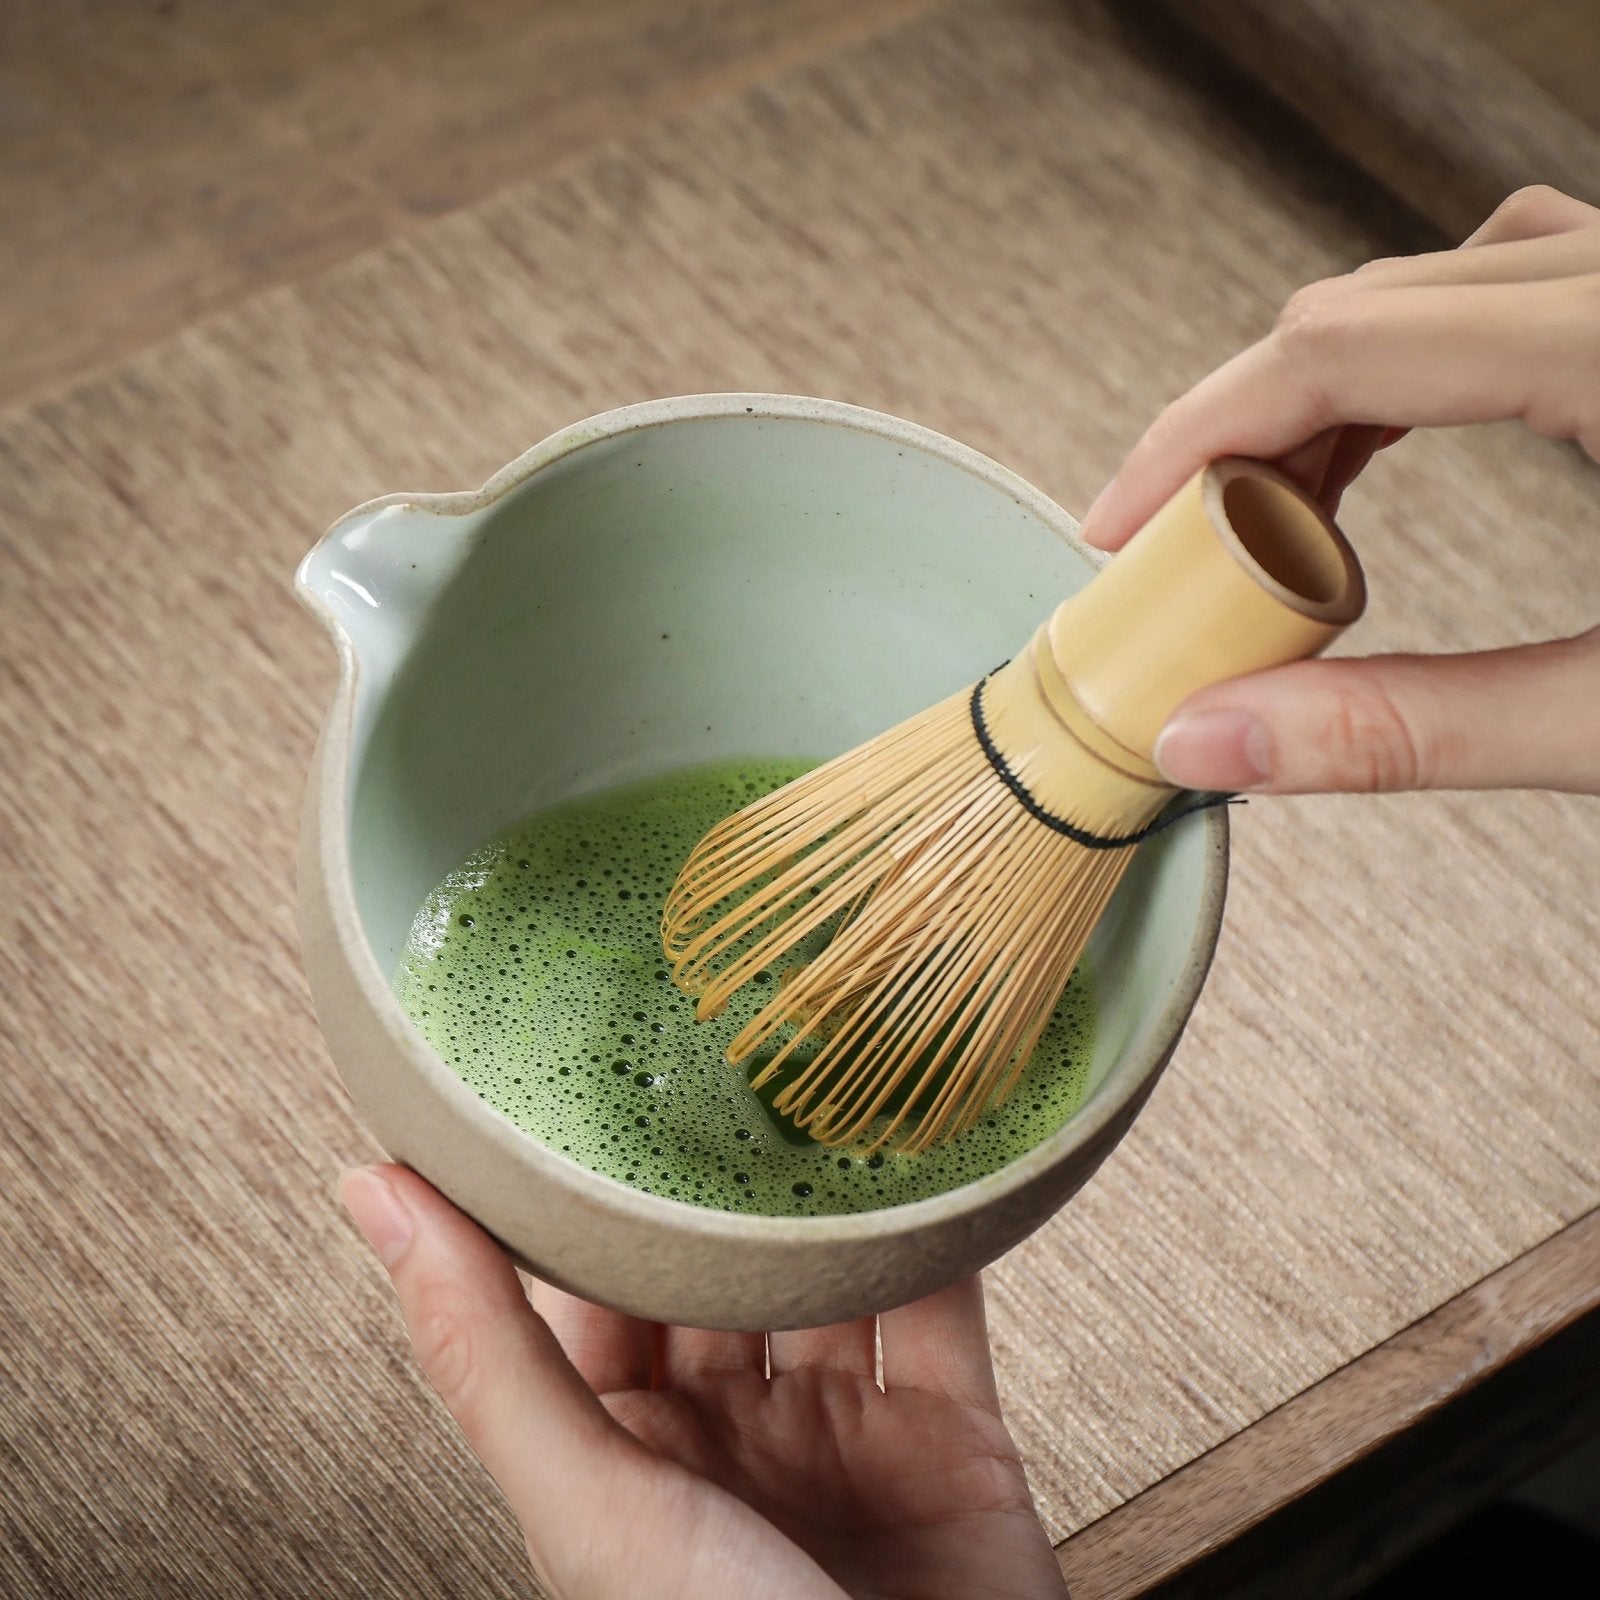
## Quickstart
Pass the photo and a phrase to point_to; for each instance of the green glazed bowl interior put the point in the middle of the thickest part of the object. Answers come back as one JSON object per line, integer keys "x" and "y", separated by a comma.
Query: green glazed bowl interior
{"x": 682, "y": 582}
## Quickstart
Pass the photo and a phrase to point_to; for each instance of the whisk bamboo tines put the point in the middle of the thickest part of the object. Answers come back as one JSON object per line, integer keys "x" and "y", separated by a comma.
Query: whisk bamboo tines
{"x": 958, "y": 863}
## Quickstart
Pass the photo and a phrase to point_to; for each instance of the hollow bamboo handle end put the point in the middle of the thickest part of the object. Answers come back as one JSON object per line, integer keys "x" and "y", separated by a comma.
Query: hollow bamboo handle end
{"x": 1239, "y": 571}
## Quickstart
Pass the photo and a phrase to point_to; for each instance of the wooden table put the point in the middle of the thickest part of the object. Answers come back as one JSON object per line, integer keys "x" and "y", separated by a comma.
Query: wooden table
{"x": 259, "y": 270}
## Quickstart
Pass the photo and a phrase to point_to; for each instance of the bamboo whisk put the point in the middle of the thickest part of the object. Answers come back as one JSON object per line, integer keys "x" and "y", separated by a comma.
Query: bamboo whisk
{"x": 968, "y": 853}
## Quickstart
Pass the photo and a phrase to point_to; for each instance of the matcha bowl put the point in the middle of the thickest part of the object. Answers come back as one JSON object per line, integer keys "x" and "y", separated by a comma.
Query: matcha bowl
{"x": 675, "y": 583}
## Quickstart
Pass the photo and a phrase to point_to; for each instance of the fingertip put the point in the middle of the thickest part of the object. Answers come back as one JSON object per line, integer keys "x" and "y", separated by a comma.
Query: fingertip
{"x": 379, "y": 1211}
{"x": 1091, "y": 527}
{"x": 413, "y": 1189}
{"x": 1103, "y": 525}
{"x": 1100, "y": 537}
{"x": 412, "y": 1228}
{"x": 1225, "y": 748}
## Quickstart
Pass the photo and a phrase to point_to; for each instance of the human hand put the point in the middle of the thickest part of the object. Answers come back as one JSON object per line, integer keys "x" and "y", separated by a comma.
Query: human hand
{"x": 1508, "y": 326}
{"x": 642, "y": 1460}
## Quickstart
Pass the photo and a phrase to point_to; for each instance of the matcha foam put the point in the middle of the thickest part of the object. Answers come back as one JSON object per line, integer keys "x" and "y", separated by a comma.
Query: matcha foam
{"x": 535, "y": 971}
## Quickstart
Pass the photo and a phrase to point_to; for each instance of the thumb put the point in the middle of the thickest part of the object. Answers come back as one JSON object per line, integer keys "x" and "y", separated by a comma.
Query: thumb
{"x": 1520, "y": 718}
{"x": 532, "y": 1420}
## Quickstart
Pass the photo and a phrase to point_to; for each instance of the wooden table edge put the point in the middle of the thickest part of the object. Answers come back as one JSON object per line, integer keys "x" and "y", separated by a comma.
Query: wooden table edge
{"x": 1334, "y": 1424}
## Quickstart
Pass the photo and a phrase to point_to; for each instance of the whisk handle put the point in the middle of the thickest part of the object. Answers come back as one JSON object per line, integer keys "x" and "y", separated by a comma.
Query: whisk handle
{"x": 1241, "y": 570}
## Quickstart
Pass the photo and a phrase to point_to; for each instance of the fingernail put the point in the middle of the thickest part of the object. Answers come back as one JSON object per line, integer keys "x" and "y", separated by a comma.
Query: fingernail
{"x": 1088, "y": 528}
{"x": 1229, "y": 750}
{"x": 379, "y": 1212}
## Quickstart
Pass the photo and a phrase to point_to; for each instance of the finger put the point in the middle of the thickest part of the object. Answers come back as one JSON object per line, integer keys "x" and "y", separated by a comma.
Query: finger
{"x": 610, "y": 1349}
{"x": 1327, "y": 465}
{"x": 1357, "y": 444}
{"x": 1406, "y": 357}
{"x": 1529, "y": 217}
{"x": 1560, "y": 255}
{"x": 1331, "y": 462}
{"x": 1169, "y": 452}
{"x": 941, "y": 1345}
{"x": 1498, "y": 719}
{"x": 694, "y": 1356}
{"x": 1537, "y": 209}
{"x": 1537, "y": 233}
{"x": 523, "y": 1407}
{"x": 1307, "y": 464}
{"x": 845, "y": 1347}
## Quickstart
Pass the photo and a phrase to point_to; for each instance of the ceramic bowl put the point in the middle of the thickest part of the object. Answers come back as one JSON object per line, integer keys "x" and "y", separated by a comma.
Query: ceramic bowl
{"x": 678, "y": 582}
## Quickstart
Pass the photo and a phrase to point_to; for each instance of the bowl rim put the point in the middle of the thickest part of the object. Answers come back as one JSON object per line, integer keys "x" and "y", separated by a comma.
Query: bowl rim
{"x": 1132, "y": 1078}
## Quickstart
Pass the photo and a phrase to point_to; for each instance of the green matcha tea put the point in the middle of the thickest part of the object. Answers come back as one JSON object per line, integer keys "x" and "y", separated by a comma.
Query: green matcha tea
{"x": 535, "y": 970}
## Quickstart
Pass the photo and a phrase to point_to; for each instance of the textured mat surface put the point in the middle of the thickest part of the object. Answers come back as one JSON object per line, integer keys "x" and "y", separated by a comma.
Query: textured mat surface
{"x": 1389, "y": 1088}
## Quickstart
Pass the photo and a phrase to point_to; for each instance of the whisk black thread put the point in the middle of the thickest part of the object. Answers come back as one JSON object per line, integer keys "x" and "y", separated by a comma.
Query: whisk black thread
{"x": 1203, "y": 801}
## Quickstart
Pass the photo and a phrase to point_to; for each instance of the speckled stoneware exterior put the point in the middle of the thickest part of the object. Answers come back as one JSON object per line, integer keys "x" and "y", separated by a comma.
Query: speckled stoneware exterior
{"x": 682, "y": 581}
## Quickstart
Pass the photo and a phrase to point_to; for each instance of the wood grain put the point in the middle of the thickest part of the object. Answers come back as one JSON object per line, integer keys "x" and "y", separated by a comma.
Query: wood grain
{"x": 1158, "y": 1539}
{"x": 1008, "y": 221}
{"x": 163, "y": 159}
{"x": 1430, "y": 109}
{"x": 1554, "y": 43}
